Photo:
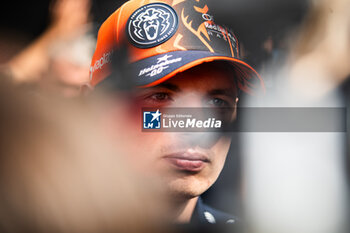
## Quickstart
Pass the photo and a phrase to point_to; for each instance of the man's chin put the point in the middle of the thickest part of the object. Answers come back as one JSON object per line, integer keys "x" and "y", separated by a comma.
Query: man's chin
{"x": 186, "y": 188}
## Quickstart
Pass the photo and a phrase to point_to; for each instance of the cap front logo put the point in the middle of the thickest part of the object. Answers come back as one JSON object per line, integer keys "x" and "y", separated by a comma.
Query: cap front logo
{"x": 151, "y": 25}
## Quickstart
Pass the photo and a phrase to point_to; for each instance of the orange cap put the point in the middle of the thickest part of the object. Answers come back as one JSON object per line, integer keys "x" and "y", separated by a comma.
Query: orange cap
{"x": 164, "y": 37}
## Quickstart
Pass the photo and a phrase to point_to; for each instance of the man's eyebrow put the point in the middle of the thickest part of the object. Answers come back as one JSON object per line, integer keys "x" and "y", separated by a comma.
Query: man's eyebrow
{"x": 169, "y": 86}
{"x": 227, "y": 92}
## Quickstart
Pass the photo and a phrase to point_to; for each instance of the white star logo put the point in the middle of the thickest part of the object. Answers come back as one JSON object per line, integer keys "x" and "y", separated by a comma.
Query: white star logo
{"x": 164, "y": 58}
{"x": 156, "y": 115}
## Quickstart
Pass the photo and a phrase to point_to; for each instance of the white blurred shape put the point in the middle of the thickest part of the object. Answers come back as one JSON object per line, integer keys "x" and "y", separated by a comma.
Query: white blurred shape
{"x": 295, "y": 182}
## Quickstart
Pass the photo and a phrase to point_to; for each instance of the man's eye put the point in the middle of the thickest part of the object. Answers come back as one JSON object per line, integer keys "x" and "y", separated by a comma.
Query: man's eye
{"x": 160, "y": 97}
{"x": 217, "y": 102}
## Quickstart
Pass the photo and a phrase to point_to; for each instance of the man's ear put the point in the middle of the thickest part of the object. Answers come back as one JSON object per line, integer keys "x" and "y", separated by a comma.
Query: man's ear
{"x": 234, "y": 113}
{"x": 86, "y": 90}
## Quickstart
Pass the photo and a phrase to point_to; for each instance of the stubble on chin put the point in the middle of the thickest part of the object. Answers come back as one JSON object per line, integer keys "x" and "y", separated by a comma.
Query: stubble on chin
{"x": 185, "y": 188}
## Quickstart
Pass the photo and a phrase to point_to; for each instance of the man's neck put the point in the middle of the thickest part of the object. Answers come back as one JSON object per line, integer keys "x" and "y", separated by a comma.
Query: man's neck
{"x": 184, "y": 210}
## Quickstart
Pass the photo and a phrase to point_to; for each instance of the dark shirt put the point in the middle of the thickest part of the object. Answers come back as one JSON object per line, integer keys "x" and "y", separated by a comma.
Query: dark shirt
{"x": 206, "y": 219}
{"x": 205, "y": 214}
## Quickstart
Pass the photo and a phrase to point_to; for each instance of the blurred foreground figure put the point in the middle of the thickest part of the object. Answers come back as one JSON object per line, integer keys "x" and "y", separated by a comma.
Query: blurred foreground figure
{"x": 171, "y": 54}
{"x": 296, "y": 180}
{"x": 58, "y": 174}
{"x": 59, "y": 59}
{"x": 322, "y": 51}
{"x": 69, "y": 59}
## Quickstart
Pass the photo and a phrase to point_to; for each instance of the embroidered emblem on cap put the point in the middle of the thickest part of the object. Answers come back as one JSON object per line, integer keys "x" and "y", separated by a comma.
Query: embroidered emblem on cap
{"x": 152, "y": 25}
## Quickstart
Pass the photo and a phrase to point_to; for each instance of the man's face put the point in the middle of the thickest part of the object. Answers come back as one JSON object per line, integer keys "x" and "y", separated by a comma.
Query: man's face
{"x": 189, "y": 163}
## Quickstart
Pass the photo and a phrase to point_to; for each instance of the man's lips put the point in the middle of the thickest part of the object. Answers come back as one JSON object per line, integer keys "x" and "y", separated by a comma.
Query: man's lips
{"x": 193, "y": 162}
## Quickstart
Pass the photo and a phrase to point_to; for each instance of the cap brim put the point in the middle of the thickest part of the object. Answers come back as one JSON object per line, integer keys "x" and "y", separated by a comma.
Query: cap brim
{"x": 157, "y": 69}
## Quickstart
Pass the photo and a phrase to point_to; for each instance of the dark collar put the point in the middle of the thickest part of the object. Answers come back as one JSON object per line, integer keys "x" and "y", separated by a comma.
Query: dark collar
{"x": 204, "y": 214}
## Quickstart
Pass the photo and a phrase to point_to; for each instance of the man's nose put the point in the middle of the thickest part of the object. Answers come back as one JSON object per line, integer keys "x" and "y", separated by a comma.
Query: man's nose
{"x": 204, "y": 140}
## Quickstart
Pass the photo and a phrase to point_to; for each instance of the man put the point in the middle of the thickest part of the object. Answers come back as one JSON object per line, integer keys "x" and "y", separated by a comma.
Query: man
{"x": 179, "y": 58}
